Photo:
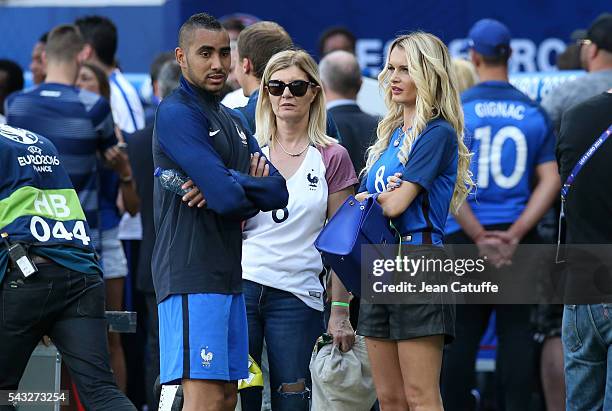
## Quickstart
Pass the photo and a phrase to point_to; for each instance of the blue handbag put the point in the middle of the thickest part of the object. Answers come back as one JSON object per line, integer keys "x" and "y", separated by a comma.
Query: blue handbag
{"x": 355, "y": 224}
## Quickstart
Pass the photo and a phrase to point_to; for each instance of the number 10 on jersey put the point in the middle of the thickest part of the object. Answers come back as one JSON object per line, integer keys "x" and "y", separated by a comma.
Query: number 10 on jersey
{"x": 490, "y": 156}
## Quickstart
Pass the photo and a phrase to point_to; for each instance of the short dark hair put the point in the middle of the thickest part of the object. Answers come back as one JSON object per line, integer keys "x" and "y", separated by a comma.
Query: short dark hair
{"x": 332, "y": 31}
{"x": 101, "y": 33}
{"x": 233, "y": 24}
{"x": 500, "y": 59}
{"x": 64, "y": 43}
{"x": 197, "y": 21}
{"x": 158, "y": 62}
{"x": 14, "y": 78}
{"x": 43, "y": 39}
{"x": 260, "y": 41}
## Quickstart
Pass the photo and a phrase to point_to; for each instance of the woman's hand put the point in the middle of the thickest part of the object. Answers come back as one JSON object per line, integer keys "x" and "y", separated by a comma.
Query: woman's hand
{"x": 394, "y": 181}
{"x": 362, "y": 196}
{"x": 259, "y": 166}
{"x": 340, "y": 328}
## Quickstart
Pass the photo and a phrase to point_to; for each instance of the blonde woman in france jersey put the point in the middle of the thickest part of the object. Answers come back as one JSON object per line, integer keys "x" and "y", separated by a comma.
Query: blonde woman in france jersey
{"x": 419, "y": 165}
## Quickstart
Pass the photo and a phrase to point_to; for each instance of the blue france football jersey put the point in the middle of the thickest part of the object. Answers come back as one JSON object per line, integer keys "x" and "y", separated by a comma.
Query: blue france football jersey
{"x": 510, "y": 135}
{"x": 80, "y": 125}
{"x": 432, "y": 164}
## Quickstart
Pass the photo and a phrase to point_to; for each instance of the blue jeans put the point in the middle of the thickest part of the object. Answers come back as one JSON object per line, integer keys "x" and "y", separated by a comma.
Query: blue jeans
{"x": 587, "y": 349}
{"x": 290, "y": 329}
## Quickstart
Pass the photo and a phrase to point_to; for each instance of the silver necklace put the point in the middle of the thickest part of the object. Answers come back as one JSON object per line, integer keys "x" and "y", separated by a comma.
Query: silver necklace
{"x": 402, "y": 134}
{"x": 291, "y": 154}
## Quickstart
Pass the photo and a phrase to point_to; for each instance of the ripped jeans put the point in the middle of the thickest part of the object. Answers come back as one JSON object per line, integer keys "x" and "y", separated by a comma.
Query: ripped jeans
{"x": 290, "y": 329}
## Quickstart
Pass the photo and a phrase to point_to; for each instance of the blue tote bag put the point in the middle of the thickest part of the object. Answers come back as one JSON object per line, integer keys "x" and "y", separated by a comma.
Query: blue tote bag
{"x": 354, "y": 224}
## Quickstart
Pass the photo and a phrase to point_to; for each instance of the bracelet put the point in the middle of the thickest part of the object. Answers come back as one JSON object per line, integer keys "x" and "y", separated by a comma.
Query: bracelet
{"x": 340, "y": 304}
{"x": 125, "y": 180}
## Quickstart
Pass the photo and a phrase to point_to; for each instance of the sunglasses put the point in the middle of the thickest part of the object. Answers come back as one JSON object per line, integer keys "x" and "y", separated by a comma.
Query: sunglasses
{"x": 298, "y": 87}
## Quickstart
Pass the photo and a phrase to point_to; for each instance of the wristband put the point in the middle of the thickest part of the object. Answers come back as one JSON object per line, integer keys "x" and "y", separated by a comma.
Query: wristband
{"x": 340, "y": 304}
{"x": 125, "y": 180}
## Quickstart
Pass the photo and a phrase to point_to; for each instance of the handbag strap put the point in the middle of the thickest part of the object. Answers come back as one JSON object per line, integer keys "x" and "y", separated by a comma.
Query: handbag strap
{"x": 399, "y": 235}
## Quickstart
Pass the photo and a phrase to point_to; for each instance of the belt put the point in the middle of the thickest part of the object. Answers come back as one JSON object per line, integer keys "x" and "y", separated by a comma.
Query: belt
{"x": 36, "y": 259}
{"x": 420, "y": 237}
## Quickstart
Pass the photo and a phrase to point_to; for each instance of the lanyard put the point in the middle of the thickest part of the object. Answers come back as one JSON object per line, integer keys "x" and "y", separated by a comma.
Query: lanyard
{"x": 560, "y": 257}
{"x": 583, "y": 160}
{"x": 113, "y": 78}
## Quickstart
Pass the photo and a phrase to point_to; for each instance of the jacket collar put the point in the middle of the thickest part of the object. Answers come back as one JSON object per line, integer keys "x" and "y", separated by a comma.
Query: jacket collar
{"x": 200, "y": 93}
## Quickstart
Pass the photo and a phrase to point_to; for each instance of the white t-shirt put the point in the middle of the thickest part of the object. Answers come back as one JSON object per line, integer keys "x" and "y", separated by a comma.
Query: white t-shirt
{"x": 278, "y": 246}
{"x": 235, "y": 99}
{"x": 128, "y": 115}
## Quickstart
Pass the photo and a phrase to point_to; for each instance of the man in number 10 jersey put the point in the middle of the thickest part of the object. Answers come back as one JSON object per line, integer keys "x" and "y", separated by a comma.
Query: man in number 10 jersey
{"x": 517, "y": 180}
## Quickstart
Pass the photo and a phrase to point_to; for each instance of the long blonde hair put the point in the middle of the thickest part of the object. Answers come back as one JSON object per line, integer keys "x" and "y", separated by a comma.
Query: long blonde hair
{"x": 265, "y": 119}
{"x": 465, "y": 73}
{"x": 429, "y": 66}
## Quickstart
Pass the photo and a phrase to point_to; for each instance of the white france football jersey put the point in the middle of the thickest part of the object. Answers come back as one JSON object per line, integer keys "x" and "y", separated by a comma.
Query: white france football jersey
{"x": 278, "y": 248}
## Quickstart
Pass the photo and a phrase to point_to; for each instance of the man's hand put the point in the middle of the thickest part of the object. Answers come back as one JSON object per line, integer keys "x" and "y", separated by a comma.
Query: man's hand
{"x": 259, "y": 166}
{"x": 509, "y": 243}
{"x": 116, "y": 157}
{"x": 118, "y": 160}
{"x": 490, "y": 245}
{"x": 340, "y": 328}
{"x": 194, "y": 196}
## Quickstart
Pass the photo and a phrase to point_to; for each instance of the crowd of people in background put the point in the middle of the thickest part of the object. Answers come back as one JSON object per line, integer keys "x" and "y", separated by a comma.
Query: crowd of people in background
{"x": 306, "y": 124}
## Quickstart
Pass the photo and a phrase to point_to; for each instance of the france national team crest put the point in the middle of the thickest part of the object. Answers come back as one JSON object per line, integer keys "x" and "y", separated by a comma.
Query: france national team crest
{"x": 207, "y": 357}
{"x": 312, "y": 181}
{"x": 243, "y": 136}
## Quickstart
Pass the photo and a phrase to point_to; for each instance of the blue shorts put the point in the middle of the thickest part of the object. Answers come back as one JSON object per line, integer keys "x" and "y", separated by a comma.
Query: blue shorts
{"x": 203, "y": 337}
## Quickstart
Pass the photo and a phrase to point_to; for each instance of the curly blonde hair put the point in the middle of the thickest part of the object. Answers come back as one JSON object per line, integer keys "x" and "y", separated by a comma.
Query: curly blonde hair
{"x": 429, "y": 66}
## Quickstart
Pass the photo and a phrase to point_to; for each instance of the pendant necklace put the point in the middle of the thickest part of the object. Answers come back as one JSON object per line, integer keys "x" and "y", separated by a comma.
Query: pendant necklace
{"x": 399, "y": 138}
{"x": 292, "y": 154}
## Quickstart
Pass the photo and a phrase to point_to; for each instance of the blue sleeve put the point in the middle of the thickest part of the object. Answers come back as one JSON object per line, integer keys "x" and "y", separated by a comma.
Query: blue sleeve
{"x": 431, "y": 151}
{"x": 267, "y": 193}
{"x": 546, "y": 151}
{"x": 183, "y": 136}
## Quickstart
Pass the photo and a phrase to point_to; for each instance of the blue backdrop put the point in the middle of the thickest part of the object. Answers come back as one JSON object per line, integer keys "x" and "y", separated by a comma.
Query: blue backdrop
{"x": 540, "y": 28}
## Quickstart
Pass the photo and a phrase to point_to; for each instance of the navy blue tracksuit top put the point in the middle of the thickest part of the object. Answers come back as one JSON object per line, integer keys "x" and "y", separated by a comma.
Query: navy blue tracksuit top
{"x": 199, "y": 250}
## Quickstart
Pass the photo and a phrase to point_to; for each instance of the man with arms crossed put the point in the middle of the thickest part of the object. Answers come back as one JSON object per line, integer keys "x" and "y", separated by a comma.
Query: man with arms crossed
{"x": 196, "y": 262}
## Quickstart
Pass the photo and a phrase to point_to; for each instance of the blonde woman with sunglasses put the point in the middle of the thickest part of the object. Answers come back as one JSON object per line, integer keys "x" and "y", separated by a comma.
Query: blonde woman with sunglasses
{"x": 281, "y": 267}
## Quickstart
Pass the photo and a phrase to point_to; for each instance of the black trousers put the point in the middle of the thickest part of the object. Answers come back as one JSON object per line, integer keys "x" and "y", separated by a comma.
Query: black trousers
{"x": 516, "y": 349}
{"x": 515, "y": 362}
{"x": 67, "y": 306}
{"x": 153, "y": 351}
